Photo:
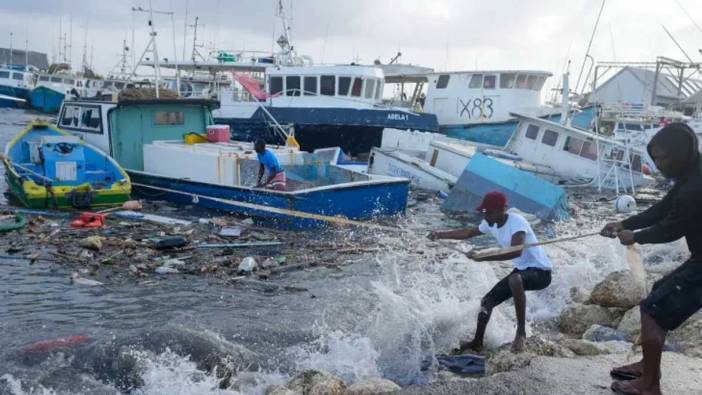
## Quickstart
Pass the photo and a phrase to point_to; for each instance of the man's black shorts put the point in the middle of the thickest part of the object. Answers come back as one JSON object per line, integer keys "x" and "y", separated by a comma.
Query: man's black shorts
{"x": 532, "y": 278}
{"x": 677, "y": 296}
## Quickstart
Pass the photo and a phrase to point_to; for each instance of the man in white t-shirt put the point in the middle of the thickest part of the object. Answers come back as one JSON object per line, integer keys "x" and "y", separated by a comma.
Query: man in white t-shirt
{"x": 532, "y": 268}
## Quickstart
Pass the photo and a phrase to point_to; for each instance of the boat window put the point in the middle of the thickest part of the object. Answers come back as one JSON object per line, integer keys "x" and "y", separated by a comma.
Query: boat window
{"x": 632, "y": 126}
{"x": 4, "y": 74}
{"x": 276, "y": 85}
{"x": 43, "y": 78}
{"x": 118, "y": 85}
{"x": 356, "y": 88}
{"x": 573, "y": 145}
{"x": 79, "y": 84}
{"x": 443, "y": 81}
{"x": 589, "y": 150}
{"x": 310, "y": 88}
{"x": 489, "y": 82}
{"x": 55, "y": 79}
{"x": 70, "y": 82}
{"x": 292, "y": 85}
{"x": 476, "y": 81}
{"x": 344, "y": 84}
{"x": 532, "y": 132}
{"x": 327, "y": 85}
{"x": 521, "y": 81}
{"x": 368, "y": 91}
{"x": 550, "y": 138}
{"x": 81, "y": 118}
{"x": 130, "y": 86}
{"x": 17, "y": 76}
{"x": 531, "y": 82}
{"x": 636, "y": 163}
{"x": 107, "y": 84}
{"x": 168, "y": 118}
{"x": 540, "y": 82}
{"x": 507, "y": 80}
{"x": 379, "y": 90}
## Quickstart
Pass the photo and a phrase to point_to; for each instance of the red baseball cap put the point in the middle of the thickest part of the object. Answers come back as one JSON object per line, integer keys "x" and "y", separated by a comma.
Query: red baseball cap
{"x": 493, "y": 201}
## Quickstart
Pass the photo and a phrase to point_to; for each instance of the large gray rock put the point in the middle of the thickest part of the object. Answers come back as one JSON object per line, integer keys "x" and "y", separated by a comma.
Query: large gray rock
{"x": 585, "y": 347}
{"x": 577, "y": 318}
{"x": 690, "y": 332}
{"x": 317, "y": 382}
{"x": 502, "y": 359}
{"x": 618, "y": 289}
{"x": 280, "y": 390}
{"x": 374, "y": 386}
{"x": 600, "y": 333}
{"x": 630, "y": 325}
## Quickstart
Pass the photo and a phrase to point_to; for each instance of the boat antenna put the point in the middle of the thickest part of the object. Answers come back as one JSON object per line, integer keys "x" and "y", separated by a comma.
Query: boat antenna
{"x": 11, "y": 47}
{"x": 678, "y": 45}
{"x": 589, "y": 45}
{"x": 185, "y": 29}
{"x": 151, "y": 47}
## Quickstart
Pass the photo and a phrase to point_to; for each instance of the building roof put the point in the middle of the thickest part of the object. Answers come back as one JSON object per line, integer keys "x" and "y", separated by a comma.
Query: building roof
{"x": 36, "y": 59}
{"x": 666, "y": 84}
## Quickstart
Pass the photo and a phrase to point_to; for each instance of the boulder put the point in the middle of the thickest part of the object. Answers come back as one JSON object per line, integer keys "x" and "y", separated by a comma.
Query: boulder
{"x": 280, "y": 390}
{"x": 578, "y": 295}
{"x": 630, "y": 325}
{"x": 577, "y": 318}
{"x": 690, "y": 332}
{"x": 601, "y": 333}
{"x": 374, "y": 386}
{"x": 585, "y": 347}
{"x": 618, "y": 289}
{"x": 503, "y": 359}
{"x": 317, "y": 382}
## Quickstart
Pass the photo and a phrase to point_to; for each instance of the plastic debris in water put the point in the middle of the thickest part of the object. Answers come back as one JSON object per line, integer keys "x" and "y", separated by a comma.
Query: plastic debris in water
{"x": 247, "y": 265}
{"x": 77, "y": 279}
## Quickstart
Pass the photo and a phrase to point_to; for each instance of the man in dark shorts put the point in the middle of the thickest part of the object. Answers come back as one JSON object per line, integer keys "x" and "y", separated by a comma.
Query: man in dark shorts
{"x": 532, "y": 268}
{"x": 678, "y": 295}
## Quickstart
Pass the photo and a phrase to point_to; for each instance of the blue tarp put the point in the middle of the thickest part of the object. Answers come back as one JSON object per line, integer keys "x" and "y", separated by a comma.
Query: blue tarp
{"x": 524, "y": 191}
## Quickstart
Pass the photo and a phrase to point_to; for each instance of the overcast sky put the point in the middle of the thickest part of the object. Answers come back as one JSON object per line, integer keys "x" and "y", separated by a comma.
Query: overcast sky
{"x": 443, "y": 34}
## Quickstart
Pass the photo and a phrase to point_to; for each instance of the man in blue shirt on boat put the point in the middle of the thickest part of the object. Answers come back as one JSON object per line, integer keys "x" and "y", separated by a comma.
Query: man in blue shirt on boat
{"x": 276, "y": 175}
{"x": 532, "y": 268}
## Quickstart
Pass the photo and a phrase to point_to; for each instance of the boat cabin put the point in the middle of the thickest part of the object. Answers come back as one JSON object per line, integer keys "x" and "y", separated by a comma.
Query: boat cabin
{"x": 470, "y": 97}
{"x": 16, "y": 81}
{"x": 575, "y": 153}
{"x": 59, "y": 83}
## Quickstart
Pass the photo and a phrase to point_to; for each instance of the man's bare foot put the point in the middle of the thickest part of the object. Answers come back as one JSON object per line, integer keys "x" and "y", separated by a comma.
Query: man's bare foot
{"x": 635, "y": 387}
{"x": 627, "y": 372}
{"x": 468, "y": 346}
{"x": 518, "y": 344}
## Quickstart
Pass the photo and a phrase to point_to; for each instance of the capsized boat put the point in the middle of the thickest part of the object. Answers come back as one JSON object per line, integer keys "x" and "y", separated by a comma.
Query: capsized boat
{"x": 47, "y": 167}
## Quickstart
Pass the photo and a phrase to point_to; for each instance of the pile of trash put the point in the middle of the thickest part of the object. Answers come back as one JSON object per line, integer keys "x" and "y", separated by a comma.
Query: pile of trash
{"x": 118, "y": 244}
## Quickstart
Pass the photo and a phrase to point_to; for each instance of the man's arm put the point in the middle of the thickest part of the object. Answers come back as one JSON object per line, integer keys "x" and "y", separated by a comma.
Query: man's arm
{"x": 260, "y": 175}
{"x": 517, "y": 240}
{"x": 672, "y": 226}
{"x": 271, "y": 176}
{"x": 460, "y": 234}
{"x": 651, "y": 215}
{"x": 642, "y": 220}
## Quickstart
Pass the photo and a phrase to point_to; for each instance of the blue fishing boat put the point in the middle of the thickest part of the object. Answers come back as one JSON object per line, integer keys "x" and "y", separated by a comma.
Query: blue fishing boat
{"x": 47, "y": 167}
{"x": 149, "y": 138}
{"x": 46, "y": 99}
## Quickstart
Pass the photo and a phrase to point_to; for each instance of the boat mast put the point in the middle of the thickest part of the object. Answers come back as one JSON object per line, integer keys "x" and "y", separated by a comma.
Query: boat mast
{"x": 587, "y": 51}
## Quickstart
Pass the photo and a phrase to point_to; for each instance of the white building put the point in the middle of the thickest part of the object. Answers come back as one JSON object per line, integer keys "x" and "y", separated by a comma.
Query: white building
{"x": 638, "y": 86}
